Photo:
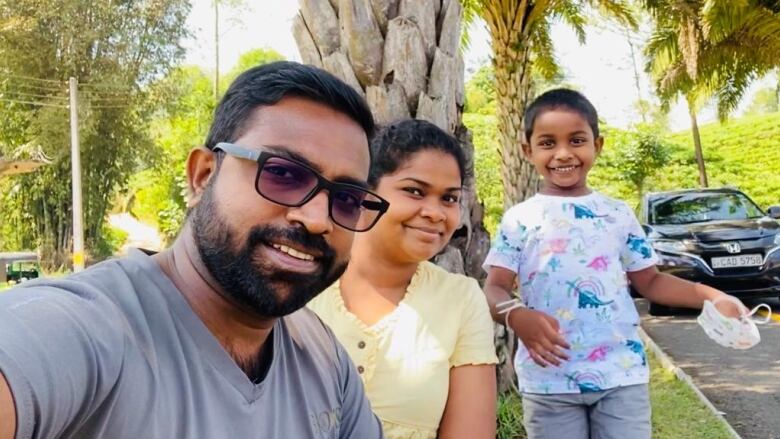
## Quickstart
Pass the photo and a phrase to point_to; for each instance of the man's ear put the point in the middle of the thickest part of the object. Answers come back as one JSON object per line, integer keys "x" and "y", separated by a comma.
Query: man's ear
{"x": 201, "y": 167}
{"x": 598, "y": 143}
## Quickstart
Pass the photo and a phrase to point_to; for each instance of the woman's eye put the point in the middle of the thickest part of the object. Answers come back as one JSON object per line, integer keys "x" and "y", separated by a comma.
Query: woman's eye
{"x": 413, "y": 191}
{"x": 578, "y": 141}
{"x": 451, "y": 199}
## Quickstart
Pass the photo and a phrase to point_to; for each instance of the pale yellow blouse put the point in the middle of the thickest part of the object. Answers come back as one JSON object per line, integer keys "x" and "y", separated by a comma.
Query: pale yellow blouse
{"x": 405, "y": 358}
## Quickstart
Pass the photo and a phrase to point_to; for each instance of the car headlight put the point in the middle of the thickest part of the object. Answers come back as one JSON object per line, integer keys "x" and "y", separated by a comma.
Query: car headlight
{"x": 669, "y": 246}
{"x": 777, "y": 239}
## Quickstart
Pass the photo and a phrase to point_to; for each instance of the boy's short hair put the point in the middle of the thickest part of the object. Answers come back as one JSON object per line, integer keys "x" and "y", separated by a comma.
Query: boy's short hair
{"x": 560, "y": 98}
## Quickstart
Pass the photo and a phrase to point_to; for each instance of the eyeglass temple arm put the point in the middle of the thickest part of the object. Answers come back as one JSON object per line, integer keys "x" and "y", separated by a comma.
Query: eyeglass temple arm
{"x": 237, "y": 151}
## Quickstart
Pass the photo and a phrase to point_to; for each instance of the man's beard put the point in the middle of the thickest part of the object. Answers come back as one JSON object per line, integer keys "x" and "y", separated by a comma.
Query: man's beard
{"x": 243, "y": 279}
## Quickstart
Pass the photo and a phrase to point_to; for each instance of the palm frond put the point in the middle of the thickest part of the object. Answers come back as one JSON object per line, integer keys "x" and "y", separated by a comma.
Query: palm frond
{"x": 572, "y": 14}
{"x": 621, "y": 11}
{"x": 543, "y": 52}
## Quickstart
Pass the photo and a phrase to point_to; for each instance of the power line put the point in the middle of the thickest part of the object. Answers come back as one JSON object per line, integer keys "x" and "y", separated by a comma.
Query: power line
{"x": 106, "y": 86}
{"x": 33, "y": 95}
{"x": 30, "y": 78}
{"x": 34, "y": 87}
{"x": 41, "y": 104}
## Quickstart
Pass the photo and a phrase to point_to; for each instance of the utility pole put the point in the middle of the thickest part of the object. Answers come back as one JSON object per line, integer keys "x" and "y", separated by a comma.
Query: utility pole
{"x": 78, "y": 216}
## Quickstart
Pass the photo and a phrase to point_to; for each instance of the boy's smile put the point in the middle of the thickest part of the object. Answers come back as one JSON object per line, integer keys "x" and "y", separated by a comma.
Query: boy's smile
{"x": 562, "y": 148}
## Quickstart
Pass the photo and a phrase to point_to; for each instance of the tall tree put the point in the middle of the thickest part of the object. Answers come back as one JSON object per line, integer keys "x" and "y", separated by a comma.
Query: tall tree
{"x": 521, "y": 43}
{"x": 236, "y": 6}
{"x": 114, "y": 49}
{"x": 156, "y": 195}
{"x": 711, "y": 49}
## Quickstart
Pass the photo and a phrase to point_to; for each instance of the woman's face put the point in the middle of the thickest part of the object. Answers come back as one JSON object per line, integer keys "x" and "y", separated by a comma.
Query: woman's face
{"x": 424, "y": 195}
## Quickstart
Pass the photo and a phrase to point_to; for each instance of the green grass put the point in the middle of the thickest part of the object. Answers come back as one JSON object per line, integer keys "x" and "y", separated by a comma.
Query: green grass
{"x": 677, "y": 412}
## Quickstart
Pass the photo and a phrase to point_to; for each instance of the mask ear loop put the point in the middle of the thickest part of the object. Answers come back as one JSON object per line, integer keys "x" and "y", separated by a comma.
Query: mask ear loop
{"x": 768, "y": 316}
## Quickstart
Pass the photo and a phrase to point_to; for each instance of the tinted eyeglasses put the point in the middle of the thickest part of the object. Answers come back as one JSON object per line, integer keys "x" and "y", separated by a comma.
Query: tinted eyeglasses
{"x": 291, "y": 183}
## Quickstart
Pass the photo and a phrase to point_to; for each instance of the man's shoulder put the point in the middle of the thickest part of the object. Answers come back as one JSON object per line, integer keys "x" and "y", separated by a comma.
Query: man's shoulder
{"x": 308, "y": 332}
{"x": 88, "y": 285}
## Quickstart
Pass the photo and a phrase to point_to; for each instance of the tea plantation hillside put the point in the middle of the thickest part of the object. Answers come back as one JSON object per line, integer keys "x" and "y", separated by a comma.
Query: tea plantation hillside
{"x": 742, "y": 152}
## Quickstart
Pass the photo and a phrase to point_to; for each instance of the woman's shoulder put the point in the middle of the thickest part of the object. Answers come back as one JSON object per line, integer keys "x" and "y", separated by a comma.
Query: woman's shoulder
{"x": 325, "y": 301}
{"x": 433, "y": 277}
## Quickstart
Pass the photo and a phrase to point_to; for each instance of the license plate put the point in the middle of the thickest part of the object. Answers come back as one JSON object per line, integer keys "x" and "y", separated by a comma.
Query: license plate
{"x": 737, "y": 261}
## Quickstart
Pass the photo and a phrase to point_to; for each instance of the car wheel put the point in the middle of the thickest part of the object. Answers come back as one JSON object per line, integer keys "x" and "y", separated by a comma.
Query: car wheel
{"x": 660, "y": 310}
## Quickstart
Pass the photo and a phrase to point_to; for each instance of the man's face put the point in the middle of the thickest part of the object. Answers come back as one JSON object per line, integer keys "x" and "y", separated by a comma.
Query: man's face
{"x": 269, "y": 258}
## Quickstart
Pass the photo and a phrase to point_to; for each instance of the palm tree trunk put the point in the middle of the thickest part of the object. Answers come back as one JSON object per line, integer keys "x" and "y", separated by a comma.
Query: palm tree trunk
{"x": 697, "y": 145}
{"x": 403, "y": 56}
{"x": 509, "y": 25}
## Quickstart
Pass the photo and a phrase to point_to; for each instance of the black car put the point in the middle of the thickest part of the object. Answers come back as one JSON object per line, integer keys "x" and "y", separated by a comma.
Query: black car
{"x": 718, "y": 237}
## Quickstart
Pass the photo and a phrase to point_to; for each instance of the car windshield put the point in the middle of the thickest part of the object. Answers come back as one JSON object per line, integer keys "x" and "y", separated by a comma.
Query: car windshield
{"x": 701, "y": 207}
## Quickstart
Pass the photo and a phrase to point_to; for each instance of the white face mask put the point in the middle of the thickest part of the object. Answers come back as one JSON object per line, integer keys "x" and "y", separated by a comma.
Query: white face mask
{"x": 731, "y": 332}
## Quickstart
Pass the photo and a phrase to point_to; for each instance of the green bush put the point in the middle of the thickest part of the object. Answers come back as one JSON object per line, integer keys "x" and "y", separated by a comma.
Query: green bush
{"x": 112, "y": 242}
{"x": 487, "y": 163}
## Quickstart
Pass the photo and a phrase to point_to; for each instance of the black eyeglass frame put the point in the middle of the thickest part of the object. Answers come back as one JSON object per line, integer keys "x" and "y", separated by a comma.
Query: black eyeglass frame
{"x": 261, "y": 157}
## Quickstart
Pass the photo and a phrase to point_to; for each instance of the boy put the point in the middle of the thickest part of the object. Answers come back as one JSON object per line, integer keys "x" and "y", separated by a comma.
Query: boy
{"x": 581, "y": 366}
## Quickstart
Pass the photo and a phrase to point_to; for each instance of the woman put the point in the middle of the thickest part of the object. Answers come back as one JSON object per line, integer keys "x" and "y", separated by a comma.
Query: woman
{"x": 421, "y": 338}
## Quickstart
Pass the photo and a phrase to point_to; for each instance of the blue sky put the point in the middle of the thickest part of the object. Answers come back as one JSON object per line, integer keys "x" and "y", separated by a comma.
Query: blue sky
{"x": 602, "y": 68}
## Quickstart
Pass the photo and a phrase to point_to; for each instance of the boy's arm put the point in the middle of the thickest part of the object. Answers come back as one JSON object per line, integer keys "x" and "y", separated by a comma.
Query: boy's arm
{"x": 497, "y": 289}
{"x": 665, "y": 289}
{"x": 539, "y": 332}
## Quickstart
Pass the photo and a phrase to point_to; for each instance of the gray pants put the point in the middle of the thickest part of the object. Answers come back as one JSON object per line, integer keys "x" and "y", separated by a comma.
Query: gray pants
{"x": 619, "y": 413}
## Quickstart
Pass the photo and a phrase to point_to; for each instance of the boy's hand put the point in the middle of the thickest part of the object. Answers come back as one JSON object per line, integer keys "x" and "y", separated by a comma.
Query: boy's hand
{"x": 728, "y": 306}
{"x": 540, "y": 334}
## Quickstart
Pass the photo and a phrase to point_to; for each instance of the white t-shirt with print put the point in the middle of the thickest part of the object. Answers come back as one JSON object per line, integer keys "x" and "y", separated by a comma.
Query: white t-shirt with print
{"x": 571, "y": 255}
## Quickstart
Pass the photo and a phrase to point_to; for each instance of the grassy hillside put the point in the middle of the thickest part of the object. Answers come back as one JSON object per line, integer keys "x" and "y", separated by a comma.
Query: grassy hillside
{"x": 744, "y": 153}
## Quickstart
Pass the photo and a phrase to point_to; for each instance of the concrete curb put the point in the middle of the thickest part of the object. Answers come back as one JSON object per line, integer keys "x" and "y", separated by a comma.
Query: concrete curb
{"x": 667, "y": 364}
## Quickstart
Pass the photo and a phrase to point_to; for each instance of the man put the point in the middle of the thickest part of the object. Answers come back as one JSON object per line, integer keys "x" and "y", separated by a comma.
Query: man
{"x": 206, "y": 339}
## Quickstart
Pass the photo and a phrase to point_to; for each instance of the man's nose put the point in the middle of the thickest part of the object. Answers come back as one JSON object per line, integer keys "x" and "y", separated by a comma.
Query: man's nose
{"x": 314, "y": 215}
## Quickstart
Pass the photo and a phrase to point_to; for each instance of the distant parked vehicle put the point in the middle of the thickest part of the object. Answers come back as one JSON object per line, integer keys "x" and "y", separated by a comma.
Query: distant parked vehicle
{"x": 718, "y": 237}
{"x": 19, "y": 267}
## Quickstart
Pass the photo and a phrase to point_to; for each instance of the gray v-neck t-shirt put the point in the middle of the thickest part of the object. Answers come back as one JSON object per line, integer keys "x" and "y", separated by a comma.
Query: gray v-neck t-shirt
{"x": 117, "y": 352}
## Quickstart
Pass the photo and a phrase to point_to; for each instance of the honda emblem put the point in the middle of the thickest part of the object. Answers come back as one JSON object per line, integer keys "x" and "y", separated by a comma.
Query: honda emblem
{"x": 732, "y": 247}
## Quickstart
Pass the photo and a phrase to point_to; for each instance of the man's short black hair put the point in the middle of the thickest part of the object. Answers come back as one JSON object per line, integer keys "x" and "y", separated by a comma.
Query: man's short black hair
{"x": 395, "y": 144}
{"x": 268, "y": 84}
{"x": 561, "y": 98}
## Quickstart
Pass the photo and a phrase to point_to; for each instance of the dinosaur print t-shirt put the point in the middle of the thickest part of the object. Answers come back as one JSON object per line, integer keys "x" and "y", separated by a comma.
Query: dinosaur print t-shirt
{"x": 571, "y": 255}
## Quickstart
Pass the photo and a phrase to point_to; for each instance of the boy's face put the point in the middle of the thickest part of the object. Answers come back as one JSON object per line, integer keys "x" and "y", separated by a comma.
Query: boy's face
{"x": 563, "y": 149}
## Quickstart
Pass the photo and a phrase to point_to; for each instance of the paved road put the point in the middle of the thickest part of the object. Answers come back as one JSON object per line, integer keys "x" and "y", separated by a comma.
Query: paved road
{"x": 745, "y": 385}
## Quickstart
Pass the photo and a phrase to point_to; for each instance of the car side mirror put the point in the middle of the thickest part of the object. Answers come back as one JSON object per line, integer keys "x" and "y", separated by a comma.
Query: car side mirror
{"x": 774, "y": 212}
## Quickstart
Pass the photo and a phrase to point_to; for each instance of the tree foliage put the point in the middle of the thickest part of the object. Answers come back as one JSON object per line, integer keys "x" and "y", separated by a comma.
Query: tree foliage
{"x": 158, "y": 192}
{"x": 764, "y": 101}
{"x": 115, "y": 49}
{"x": 713, "y": 48}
